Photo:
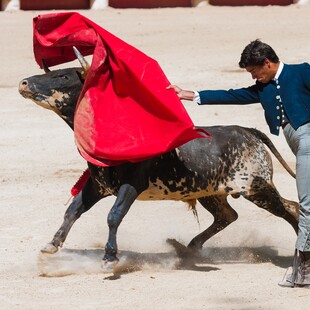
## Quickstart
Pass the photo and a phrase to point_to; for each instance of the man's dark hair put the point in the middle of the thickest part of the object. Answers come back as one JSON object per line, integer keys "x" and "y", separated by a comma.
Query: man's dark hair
{"x": 255, "y": 54}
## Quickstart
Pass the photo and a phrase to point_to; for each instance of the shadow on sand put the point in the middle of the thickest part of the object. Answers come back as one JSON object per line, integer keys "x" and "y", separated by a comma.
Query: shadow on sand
{"x": 89, "y": 261}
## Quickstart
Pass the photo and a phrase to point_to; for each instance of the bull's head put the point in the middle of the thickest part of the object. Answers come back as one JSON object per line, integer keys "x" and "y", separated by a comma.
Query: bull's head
{"x": 57, "y": 90}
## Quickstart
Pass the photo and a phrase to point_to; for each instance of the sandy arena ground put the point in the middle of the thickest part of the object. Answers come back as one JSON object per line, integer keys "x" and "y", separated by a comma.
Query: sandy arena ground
{"x": 240, "y": 267}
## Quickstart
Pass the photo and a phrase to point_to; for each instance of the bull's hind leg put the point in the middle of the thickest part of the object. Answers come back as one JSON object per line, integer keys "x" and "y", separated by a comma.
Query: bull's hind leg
{"x": 223, "y": 215}
{"x": 266, "y": 196}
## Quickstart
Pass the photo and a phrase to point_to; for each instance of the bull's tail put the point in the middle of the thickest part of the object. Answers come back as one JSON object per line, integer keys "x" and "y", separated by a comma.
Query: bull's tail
{"x": 273, "y": 149}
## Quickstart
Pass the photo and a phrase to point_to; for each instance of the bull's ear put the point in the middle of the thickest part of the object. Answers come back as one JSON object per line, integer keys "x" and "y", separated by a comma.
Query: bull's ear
{"x": 85, "y": 65}
{"x": 45, "y": 67}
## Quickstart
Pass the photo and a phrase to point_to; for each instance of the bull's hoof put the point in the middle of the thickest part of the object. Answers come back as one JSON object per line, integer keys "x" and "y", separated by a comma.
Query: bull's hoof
{"x": 108, "y": 266}
{"x": 182, "y": 251}
{"x": 187, "y": 256}
{"x": 50, "y": 248}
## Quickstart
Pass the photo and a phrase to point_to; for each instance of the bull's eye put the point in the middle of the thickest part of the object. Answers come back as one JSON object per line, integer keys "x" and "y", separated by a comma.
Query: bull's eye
{"x": 58, "y": 104}
{"x": 65, "y": 77}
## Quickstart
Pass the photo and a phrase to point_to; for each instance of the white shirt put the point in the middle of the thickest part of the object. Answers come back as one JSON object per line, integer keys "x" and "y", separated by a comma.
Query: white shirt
{"x": 281, "y": 65}
{"x": 197, "y": 97}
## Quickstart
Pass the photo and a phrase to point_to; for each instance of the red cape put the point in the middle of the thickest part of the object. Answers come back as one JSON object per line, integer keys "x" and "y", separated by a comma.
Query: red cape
{"x": 124, "y": 113}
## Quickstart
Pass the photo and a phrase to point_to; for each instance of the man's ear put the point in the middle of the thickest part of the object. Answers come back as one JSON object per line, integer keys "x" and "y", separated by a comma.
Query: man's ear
{"x": 267, "y": 62}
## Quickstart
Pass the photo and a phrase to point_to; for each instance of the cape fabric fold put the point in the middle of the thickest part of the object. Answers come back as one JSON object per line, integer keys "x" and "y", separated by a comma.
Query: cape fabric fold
{"x": 124, "y": 113}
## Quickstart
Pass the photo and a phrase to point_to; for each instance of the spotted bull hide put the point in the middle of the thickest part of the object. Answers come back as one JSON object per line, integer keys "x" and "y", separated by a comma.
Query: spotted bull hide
{"x": 233, "y": 162}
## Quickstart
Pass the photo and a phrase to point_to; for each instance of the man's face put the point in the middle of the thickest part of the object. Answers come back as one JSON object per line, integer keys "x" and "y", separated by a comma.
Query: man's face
{"x": 264, "y": 73}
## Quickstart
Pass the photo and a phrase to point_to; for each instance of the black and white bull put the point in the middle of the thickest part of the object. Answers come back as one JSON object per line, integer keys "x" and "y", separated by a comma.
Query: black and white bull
{"x": 233, "y": 162}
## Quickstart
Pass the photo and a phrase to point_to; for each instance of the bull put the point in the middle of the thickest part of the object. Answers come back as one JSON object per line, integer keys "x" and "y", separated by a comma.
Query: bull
{"x": 234, "y": 162}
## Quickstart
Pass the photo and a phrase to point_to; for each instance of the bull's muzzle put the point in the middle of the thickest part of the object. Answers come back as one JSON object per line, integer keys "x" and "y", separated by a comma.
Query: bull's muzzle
{"x": 24, "y": 89}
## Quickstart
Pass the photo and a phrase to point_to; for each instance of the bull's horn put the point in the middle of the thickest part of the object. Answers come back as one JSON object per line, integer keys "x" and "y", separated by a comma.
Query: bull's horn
{"x": 85, "y": 65}
{"x": 45, "y": 67}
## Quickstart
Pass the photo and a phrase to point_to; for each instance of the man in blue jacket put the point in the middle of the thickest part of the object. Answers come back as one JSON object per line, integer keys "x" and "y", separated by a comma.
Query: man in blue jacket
{"x": 284, "y": 93}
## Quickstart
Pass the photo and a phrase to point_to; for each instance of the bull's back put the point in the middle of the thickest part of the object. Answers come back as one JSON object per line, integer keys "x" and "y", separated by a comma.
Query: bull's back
{"x": 227, "y": 146}
{"x": 225, "y": 164}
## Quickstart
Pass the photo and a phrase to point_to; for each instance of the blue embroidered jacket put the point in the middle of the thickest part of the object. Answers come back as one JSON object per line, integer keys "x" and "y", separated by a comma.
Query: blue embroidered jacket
{"x": 292, "y": 91}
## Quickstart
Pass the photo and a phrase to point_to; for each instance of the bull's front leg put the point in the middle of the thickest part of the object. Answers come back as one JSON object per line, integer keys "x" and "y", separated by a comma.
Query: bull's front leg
{"x": 125, "y": 198}
{"x": 74, "y": 211}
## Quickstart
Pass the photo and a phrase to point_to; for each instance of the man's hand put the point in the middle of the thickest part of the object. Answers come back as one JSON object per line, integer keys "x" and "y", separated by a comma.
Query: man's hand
{"x": 182, "y": 94}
